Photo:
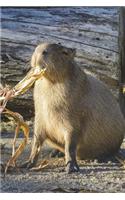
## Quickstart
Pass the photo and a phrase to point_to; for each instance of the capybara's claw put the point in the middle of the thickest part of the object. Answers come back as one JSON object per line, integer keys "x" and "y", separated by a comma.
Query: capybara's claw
{"x": 72, "y": 167}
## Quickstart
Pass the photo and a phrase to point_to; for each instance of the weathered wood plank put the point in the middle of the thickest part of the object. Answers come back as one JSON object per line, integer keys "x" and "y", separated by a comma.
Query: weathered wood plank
{"x": 30, "y": 39}
{"x": 50, "y": 18}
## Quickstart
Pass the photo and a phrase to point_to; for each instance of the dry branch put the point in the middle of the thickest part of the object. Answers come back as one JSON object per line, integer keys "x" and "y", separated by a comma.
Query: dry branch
{"x": 5, "y": 95}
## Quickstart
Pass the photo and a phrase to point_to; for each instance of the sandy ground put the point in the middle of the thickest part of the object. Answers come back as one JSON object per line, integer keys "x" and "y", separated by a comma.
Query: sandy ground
{"x": 93, "y": 176}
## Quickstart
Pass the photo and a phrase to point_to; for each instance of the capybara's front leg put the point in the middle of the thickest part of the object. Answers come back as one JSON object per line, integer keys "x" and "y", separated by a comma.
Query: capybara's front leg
{"x": 38, "y": 139}
{"x": 36, "y": 146}
{"x": 70, "y": 153}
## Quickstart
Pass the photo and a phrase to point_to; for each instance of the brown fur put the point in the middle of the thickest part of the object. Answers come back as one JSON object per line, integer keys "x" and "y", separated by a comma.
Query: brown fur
{"x": 73, "y": 107}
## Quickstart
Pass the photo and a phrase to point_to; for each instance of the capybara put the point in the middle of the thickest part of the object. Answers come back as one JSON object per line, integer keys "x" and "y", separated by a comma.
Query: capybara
{"x": 74, "y": 112}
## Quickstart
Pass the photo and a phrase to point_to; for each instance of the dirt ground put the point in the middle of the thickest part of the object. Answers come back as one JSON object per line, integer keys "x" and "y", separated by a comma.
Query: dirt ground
{"x": 93, "y": 177}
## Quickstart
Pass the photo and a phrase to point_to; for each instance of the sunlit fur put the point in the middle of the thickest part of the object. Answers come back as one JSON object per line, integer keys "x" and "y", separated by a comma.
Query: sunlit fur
{"x": 68, "y": 100}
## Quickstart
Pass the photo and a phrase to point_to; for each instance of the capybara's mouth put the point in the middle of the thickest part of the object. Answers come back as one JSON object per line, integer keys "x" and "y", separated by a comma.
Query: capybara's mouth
{"x": 6, "y": 93}
{"x": 34, "y": 74}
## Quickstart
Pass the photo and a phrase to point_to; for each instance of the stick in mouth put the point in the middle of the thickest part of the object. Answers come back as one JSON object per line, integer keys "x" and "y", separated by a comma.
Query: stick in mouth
{"x": 6, "y": 93}
{"x": 33, "y": 75}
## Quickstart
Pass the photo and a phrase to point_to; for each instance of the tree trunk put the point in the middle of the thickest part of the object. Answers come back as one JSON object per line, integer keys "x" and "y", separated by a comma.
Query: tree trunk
{"x": 122, "y": 57}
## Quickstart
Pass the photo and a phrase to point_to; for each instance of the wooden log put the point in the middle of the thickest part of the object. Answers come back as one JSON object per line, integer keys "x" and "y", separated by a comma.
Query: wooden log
{"x": 122, "y": 57}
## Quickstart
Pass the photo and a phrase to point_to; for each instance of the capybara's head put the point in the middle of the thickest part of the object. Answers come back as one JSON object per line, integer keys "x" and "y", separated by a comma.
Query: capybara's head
{"x": 55, "y": 58}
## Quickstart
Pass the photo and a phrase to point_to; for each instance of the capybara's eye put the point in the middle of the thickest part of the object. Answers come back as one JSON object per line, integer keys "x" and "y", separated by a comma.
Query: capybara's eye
{"x": 44, "y": 52}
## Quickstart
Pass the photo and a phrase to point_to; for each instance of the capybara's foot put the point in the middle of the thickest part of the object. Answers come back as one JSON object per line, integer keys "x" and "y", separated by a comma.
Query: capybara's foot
{"x": 72, "y": 167}
{"x": 56, "y": 153}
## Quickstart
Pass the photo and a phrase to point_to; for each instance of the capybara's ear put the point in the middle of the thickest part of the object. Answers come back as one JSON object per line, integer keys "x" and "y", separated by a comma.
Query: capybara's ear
{"x": 69, "y": 51}
{"x": 33, "y": 60}
{"x": 72, "y": 52}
